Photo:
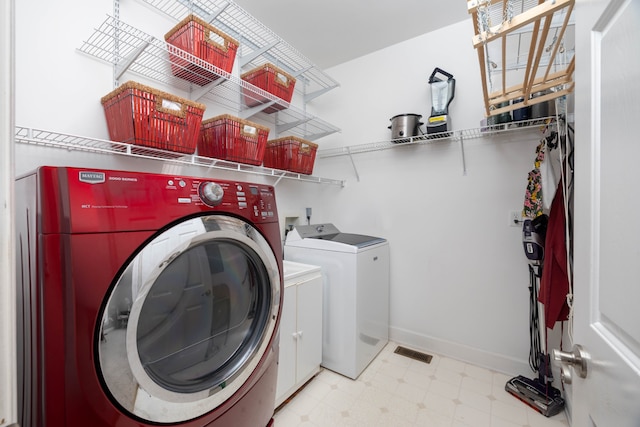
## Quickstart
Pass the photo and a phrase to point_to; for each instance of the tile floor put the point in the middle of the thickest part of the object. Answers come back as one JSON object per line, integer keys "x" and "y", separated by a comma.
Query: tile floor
{"x": 396, "y": 391}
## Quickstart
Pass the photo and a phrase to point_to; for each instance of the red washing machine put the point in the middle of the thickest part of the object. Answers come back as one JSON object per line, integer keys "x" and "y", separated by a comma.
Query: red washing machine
{"x": 146, "y": 300}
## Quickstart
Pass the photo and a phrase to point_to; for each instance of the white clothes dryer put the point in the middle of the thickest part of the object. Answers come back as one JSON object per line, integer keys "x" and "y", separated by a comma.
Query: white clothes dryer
{"x": 355, "y": 271}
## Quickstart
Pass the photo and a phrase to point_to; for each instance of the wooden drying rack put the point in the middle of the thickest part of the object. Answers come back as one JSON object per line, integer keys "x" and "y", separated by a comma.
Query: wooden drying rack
{"x": 533, "y": 82}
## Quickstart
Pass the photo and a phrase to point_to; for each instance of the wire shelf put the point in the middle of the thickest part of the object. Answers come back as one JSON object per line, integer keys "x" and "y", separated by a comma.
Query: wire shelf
{"x": 129, "y": 49}
{"x": 458, "y": 135}
{"x": 258, "y": 43}
{"x": 52, "y": 139}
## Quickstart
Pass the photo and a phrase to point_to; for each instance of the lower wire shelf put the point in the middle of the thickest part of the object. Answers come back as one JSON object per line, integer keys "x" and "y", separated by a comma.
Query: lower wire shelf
{"x": 65, "y": 141}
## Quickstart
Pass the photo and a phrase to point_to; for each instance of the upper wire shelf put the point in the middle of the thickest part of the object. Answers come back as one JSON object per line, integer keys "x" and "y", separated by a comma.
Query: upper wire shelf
{"x": 457, "y": 135}
{"x": 258, "y": 43}
{"x": 130, "y": 49}
{"x": 80, "y": 143}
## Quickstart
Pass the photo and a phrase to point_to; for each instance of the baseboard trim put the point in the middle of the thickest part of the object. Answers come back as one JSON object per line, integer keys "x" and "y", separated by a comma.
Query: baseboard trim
{"x": 485, "y": 359}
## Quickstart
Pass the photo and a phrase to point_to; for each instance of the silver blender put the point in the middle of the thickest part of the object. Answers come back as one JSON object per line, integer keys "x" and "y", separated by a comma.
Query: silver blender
{"x": 442, "y": 92}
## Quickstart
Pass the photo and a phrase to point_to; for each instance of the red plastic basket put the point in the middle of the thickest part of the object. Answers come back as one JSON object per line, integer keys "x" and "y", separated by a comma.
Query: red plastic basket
{"x": 231, "y": 138}
{"x": 203, "y": 40}
{"x": 291, "y": 154}
{"x": 272, "y": 79}
{"x": 144, "y": 116}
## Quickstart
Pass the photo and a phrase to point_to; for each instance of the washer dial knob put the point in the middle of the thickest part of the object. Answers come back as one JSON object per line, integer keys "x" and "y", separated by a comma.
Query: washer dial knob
{"x": 210, "y": 193}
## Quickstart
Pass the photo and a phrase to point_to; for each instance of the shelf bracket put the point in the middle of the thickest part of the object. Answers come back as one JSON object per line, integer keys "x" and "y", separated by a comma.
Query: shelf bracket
{"x": 244, "y": 60}
{"x": 313, "y": 137}
{"x": 301, "y": 71}
{"x": 124, "y": 64}
{"x": 275, "y": 184}
{"x": 464, "y": 163}
{"x": 245, "y": 114}
{"x": 201, "y": 91}
{"x": 355, "y": 169}
{"x": 286, "y": 126}
{"x": 209, "y": 17}
{"x": 310, "y": 96}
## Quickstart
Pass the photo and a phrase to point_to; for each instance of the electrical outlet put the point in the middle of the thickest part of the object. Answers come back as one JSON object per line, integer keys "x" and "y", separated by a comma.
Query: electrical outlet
{"x": 515, "y": 218}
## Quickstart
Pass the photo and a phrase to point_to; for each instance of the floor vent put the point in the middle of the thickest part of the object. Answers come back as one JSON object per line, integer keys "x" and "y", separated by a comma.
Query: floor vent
{"x": 422, "y": 357}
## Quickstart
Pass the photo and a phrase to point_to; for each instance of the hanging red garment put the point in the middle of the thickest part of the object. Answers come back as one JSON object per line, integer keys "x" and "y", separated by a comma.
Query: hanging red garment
{"x": 554, "y": 285}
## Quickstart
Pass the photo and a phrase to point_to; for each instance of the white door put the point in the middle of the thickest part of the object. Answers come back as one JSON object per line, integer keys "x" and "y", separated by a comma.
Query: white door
{"x": 607, "y": 232}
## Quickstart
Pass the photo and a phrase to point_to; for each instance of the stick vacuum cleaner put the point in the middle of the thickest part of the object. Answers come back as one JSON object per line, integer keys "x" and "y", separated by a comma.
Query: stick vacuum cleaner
{"x": 538, "y": 393}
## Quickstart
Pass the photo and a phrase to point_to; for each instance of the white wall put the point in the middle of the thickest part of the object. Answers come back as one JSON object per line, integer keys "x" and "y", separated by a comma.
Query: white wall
{"x": 459, "y": 279}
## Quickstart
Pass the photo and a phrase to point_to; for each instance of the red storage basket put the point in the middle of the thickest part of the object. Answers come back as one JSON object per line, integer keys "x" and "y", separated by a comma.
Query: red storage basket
{"x": 269, "y": 78}
{"x": 231, "y": 138}
{"x": 292, "y": 154}
{"x": 144, "y": 116}
{"x": 206, "y": 42}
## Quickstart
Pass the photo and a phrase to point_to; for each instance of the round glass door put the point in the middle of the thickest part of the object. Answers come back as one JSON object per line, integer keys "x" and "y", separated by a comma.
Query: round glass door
{"x": 189, "y": 319}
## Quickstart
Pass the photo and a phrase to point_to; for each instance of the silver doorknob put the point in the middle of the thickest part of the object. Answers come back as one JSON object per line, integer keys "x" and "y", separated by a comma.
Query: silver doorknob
{"x": 565, "y": 374}
{"x": 576, "y": 358}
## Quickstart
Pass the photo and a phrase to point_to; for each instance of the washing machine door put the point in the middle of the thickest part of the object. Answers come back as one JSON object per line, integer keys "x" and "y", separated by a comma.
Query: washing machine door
{"x": 189, "y": 319}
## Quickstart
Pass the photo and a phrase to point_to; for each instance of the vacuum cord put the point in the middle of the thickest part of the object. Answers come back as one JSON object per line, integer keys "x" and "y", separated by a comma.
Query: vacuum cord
{"x": 534, "y": 330}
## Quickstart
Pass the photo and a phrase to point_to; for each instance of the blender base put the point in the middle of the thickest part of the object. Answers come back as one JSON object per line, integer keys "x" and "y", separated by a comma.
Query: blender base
{"x": 437, "y": 124}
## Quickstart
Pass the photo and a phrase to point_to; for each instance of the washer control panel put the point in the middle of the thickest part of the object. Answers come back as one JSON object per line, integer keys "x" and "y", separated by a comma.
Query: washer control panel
{"x": 210, "y": 193}
{"x": 119, "y": 200}
{"x": 256, "y": 200}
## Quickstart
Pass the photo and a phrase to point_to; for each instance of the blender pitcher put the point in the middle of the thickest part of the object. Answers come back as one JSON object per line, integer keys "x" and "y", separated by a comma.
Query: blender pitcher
{"x": 442, "y": 93}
